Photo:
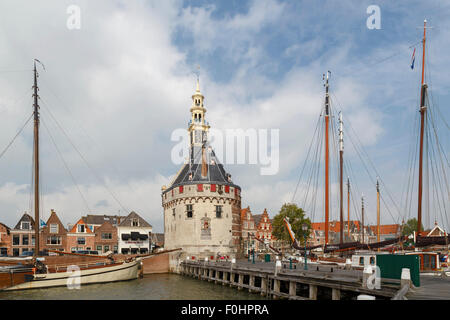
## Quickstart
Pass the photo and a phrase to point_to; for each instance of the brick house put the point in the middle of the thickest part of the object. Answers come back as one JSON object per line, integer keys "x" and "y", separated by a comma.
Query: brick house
{"x": 248, "y": 228}
{"x": 5, "y": 240}
{"x": 53, "y": 236}
{"x": 94, "y": 221}
{"x": 134, "y": 234}
{"x": 106, "y": 238}
{"x": 263, "y": 228}
{"x": 80, "y": 237}
{"x": 22, "y": 236}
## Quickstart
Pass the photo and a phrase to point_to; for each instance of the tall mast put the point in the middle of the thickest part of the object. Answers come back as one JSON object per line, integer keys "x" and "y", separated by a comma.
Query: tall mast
{"x": 378, "y": 211}
{"x": 348, "y": 207}
{"x": 341, "y": 162}
{"x": 327, "y": 192}
{"x": 36, "y": 163}
{"x": 362, "y": 216}
{"x": 423, "y": 110}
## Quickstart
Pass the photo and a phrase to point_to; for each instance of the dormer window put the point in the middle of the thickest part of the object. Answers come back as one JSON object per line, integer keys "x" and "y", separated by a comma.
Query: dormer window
{"x": 53, "y": 228}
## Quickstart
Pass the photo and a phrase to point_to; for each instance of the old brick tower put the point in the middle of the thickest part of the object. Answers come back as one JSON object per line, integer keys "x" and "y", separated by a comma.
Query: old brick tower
{"x": 202, "y": 205}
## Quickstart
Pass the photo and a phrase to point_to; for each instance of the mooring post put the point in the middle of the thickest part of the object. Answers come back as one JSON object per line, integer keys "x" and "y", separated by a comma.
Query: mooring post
{"x": 335, "y": 294}
{"x": 276, "y": 288}
{"x": 241, "y": 281}
{"x": 251, "y": 283}
{"x": 405, "y": 279}
{"x": 263, "y": 286}
{"x": 366, "y": 274}
{"x": 312, "y": 292}
{"x": 277, "y": 267}
{"x": 224, "y": 277}
{"x": 292, "y": 289}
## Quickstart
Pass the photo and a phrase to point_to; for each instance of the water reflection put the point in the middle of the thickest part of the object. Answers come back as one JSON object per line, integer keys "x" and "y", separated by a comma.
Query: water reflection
{"x": 151, "y": 287}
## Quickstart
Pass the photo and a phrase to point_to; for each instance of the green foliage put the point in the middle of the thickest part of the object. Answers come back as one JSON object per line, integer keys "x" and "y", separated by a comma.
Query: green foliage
{"x": 410, "y": 226}
{"x": 296, "y": 217}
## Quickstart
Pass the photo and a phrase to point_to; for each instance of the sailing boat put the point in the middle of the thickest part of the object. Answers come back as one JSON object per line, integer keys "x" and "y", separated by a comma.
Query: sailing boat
{"x": 421, "y": 239}
{"x": 69, "y": 269}
{"x": 342, "y": 246}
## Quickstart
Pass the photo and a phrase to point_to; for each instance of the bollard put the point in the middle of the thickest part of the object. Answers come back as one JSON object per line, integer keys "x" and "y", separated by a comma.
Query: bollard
{"x": 366, "y": 274}
{"x": 233, "y": 261}
{"x": 277, "y": 267}
{"x": 405, "y": 278}
{"x": 348, "y": 264}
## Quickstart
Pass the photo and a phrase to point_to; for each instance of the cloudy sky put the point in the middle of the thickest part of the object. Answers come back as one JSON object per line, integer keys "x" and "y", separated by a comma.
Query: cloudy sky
{"x": 114, "y": 90}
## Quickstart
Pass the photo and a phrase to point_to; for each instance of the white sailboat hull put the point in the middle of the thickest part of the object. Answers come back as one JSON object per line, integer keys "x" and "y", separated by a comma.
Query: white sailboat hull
{"x": 121, "y": 272}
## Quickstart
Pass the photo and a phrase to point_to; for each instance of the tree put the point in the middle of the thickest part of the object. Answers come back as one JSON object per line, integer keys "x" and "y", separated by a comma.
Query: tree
{"x": 296, "y": 217}
{"x": 410, "y": 226}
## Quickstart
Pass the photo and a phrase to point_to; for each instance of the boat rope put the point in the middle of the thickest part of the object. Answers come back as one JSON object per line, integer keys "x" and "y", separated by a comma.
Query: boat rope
{"x": 83, "y": 158}
{"x": 15, "y": 137}
{"x": 66, "y": 166}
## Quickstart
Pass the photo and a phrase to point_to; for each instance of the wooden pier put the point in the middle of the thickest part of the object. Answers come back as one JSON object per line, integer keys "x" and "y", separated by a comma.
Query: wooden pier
{"x": 291, "y": 281}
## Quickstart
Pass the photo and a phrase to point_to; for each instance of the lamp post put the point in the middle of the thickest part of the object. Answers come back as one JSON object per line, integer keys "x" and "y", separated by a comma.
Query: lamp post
{"x": 253, "y": 251}
{"x": 305, "y": 229}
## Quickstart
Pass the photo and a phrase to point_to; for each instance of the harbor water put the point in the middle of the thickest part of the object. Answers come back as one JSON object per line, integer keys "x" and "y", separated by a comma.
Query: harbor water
{"x": 151, "y": 287}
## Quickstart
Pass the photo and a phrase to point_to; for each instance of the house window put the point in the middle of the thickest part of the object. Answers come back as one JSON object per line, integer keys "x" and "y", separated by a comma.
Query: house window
{"x": 213, "y": 188}
{"x": 25, "y": 225}
{"x": 107, "y": 236}
{"x": 116, "y": 249}
{"x": 173, "y": 212}
{"x": 33, "y": 241}
{"x": 25, "y": 240}
{"x": 54, "y": 240}
{"x": 81, "y": 228}
{"x": 135, "y": 223}
{"x": 53, "y": 228}
{"x": 106, "y": 249}
{"x": 361, "y": 261}
{"x": 16, "y": 240}
{"x": 16, "y": 252}
{"x": 189, "y": 210}
{"x": 81, "y": 240}
{"x": 372, "y": 260}
{"x": 218, "y": 211}
{"x": 99, "y": 248}
{"x": 245, "y": 225}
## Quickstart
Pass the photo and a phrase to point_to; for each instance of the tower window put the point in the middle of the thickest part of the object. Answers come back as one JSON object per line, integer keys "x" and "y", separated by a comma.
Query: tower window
{"x": 218, "y": 211}
{"x": 189, "y": 210}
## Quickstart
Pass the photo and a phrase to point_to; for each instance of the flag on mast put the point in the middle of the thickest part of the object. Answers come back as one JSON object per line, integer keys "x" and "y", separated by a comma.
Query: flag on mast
{"x": 413, "y": 58}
